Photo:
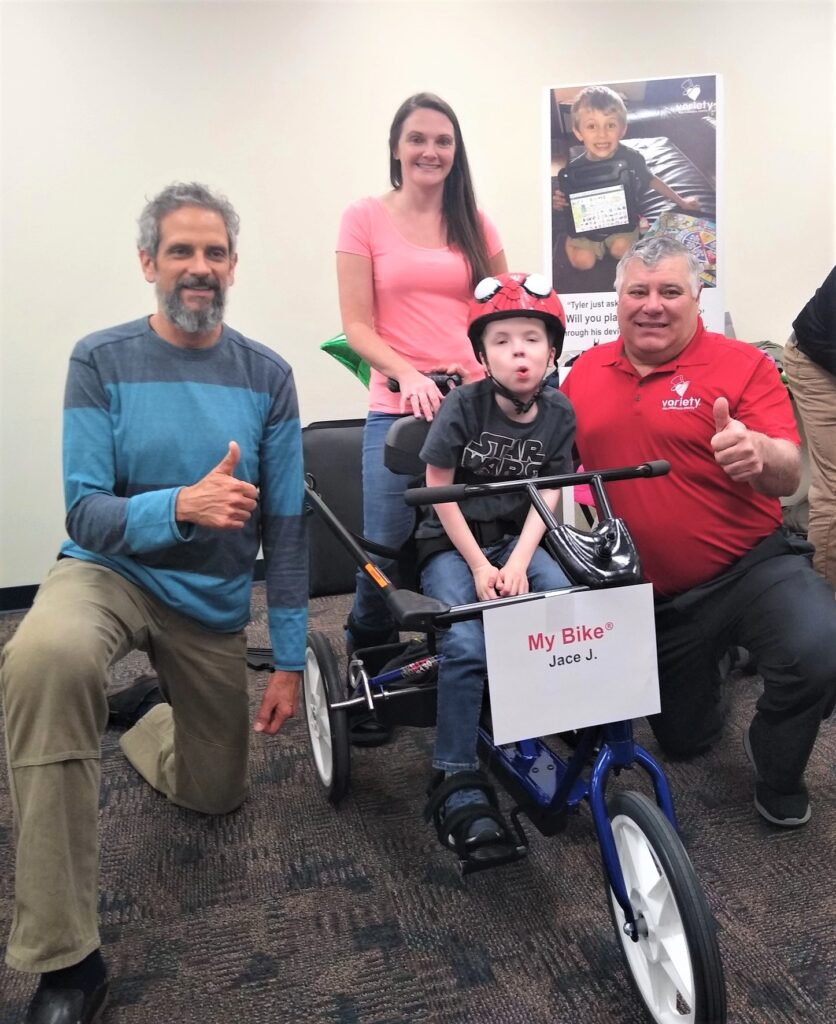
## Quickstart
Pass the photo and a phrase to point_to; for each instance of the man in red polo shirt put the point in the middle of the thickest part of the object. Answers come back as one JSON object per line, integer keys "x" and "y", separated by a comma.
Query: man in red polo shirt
{"x": 710, "y": 534}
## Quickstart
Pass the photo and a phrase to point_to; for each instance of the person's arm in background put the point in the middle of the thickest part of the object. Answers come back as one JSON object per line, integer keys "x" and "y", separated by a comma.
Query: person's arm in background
{"x": 285, "y": 545}
{"x": 356, "y": 291}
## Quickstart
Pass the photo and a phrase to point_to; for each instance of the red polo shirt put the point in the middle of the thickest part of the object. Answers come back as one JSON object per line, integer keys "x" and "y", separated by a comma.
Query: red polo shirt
{"x": 694, "y": 523}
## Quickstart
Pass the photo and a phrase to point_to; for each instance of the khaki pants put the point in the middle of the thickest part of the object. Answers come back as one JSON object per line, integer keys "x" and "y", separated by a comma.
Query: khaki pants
{"x": 814, "y": 391}
{"x": 53, "y": 675}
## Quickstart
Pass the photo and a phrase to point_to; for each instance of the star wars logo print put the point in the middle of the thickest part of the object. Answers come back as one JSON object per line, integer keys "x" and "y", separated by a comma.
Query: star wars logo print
{"x": 495, "y": 455}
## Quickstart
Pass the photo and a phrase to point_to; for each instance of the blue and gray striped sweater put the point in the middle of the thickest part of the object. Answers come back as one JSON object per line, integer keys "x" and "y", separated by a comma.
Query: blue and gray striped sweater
{"x": 143, "y": 418}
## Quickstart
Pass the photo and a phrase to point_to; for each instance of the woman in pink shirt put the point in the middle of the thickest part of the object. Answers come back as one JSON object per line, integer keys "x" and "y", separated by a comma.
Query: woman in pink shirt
{"x": 407, "y": 263}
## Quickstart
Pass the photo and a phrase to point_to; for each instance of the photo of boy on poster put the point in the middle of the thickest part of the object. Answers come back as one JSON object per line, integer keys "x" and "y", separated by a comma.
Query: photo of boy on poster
{"x": 659, "y": 162}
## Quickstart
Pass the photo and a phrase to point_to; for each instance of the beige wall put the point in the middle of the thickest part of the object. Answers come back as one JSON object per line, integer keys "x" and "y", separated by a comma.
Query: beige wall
{"x": 285, "y": 106}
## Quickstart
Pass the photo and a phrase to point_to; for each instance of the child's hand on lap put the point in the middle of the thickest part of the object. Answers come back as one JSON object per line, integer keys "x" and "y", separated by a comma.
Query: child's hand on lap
{"x": 512, "y": 579}
{"x": 485, "y": 578}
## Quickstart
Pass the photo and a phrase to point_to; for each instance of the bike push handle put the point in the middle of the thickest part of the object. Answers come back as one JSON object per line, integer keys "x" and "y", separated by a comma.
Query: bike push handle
{"x": 457, "y": 492}
{"x": 443, "y": 381}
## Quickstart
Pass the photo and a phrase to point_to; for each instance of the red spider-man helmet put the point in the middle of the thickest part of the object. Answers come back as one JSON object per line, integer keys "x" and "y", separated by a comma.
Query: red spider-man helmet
{"x": 508, "y": 295}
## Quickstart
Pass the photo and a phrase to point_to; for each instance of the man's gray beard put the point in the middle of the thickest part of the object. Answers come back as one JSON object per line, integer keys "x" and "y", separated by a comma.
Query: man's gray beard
{"x": 192, "y": 321}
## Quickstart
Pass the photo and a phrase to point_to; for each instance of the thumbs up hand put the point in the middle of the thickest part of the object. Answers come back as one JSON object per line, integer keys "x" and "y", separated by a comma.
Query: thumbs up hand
{"x": 737, "y": 450}
{"x": 722, "y": 417}
{"x": 230, "y": 460}
{"x": 219, "y": 500}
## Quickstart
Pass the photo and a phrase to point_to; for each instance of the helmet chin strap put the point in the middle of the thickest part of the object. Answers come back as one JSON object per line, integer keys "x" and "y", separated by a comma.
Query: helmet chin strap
{"x": 519, "y": 406}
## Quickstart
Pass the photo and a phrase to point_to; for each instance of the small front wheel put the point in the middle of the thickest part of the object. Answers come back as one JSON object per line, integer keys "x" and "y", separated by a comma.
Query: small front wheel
{"x": 675, "y": 965}
{"x": 327, "y": 726}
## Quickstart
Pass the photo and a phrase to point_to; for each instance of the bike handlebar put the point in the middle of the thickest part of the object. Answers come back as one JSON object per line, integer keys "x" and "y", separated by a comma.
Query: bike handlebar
{"x": 443, "y": 381}
{"x": 457, "y": 492}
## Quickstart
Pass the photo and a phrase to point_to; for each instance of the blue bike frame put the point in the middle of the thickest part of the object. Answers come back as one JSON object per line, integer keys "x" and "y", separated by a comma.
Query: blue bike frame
{"x": 545, "y": 785}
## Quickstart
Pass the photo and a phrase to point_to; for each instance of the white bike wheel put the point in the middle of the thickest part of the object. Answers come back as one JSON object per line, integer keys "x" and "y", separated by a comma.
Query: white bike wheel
{"x": 327, "y": 726}
{"x": 675, "y": 966}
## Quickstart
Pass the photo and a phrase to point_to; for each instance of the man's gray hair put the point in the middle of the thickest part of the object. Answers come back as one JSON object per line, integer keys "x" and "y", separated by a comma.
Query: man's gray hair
{"x": 184, "y": 193}
{"x": 652, "y": 251}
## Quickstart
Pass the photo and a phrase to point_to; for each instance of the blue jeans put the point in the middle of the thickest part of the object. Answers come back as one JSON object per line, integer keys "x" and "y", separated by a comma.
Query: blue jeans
{"x": 461, "y": 677}
{"x": 387, "y": 520}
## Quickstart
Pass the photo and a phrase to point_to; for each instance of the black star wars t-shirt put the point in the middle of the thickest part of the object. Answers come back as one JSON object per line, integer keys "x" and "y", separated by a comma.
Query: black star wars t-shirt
{"x": 472, "y": 435}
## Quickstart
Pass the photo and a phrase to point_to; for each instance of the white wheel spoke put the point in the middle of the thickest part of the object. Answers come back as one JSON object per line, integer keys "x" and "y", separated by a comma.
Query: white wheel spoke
{"x": 661, "y": 990}
{"x": 660, "y": 904}
{"x": 325, "y": 740}
{"x": 676, "y": 964}
{"x": 322, "y": 718}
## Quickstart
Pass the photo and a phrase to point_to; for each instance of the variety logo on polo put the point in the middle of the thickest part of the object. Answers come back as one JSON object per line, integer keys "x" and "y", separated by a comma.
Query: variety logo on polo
{"x": 679, "y": 385}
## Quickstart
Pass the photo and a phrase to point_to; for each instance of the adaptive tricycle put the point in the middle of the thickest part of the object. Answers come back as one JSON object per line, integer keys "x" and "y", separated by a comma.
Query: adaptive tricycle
{"x": 663, "y": 924}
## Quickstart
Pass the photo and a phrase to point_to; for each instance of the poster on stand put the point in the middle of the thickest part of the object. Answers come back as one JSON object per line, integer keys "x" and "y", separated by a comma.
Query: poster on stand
{"x": 627, "y": 160}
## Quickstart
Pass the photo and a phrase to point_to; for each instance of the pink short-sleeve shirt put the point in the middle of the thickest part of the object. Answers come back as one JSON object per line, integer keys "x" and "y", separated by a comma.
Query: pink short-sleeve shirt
{"x": 421, "y": 295}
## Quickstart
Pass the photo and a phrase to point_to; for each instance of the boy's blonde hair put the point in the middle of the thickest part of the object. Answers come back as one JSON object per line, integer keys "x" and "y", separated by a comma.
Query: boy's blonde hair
{"x": 599, "y": 97}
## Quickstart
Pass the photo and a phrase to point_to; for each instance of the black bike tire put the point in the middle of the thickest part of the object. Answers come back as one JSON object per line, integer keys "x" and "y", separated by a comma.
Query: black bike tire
{"x": 698, "y": 923}
{"x": 337, "y": 786}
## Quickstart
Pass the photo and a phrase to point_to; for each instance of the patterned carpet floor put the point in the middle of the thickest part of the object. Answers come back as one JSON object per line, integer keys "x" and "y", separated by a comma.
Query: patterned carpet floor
{"x": 291, "y": 912}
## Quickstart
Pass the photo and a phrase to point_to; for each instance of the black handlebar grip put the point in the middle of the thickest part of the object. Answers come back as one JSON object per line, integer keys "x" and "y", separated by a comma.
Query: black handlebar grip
{"x": 443, "y": 381}
{"x": 659, "y": 467}
{"x": 434, "y": 495}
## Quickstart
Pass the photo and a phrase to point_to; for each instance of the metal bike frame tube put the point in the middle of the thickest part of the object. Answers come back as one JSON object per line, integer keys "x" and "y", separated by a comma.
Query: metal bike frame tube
{"x": 619, "y": 751}
{"x": 361, "y": 557}
{"x": 660, "y": 783}
{"x": 609, "y": 854}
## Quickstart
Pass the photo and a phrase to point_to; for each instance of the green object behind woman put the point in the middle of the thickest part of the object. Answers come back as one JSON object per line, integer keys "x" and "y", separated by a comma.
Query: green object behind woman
{"x": 339, "y": 348}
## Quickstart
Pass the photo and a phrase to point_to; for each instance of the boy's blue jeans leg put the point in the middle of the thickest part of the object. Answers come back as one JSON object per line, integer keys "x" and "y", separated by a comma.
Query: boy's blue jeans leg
{"x": 387, "y": 520}
{"x": 461, "y": 675}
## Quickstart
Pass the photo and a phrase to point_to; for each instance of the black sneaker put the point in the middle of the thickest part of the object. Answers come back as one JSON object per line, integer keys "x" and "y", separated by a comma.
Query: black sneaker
{"x": 129, "y": 705}
{"x": 51, "y": 1005}
{"x": 788, "y": 810}
{"x": 72, "y": 995}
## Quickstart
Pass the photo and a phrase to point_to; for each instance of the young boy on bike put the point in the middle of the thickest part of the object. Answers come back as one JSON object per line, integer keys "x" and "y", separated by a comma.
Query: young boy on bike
{"x": 505, "y": 427}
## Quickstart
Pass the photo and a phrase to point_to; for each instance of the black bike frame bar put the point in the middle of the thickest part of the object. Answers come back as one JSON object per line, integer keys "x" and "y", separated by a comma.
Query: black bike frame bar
{"x": 457, "y": 492}
{"x": 376, "y": 575}
{"x": 463, "y": 612}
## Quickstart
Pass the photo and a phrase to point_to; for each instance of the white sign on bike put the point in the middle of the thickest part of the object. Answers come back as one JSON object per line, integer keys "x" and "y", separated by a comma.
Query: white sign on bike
{"x": 570, "y": 660}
